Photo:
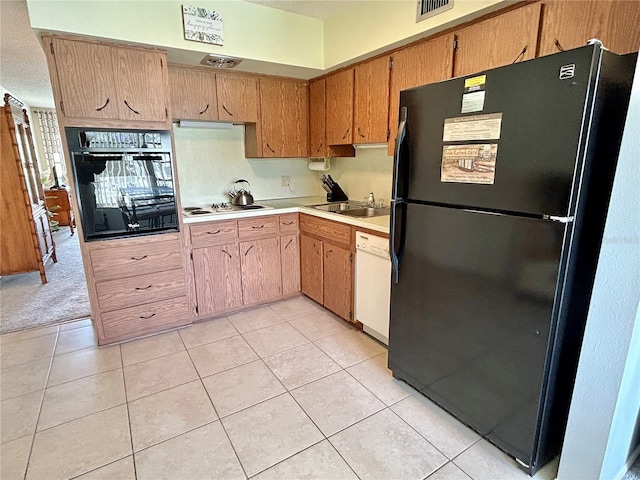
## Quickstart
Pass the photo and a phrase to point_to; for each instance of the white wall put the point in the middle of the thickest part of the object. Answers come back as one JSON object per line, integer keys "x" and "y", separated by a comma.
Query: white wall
{"x": 373, "y": 25}
{"x": 606, "y": 401}
{"x": 210, "y": 160}
{"x": 371, "y": 170}
{"x": 250, "y": 31}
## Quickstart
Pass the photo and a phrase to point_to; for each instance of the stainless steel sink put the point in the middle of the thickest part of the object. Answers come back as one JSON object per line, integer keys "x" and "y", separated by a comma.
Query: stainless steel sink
{"x": 353, "y": 209}
{"x": 367, "y": 212}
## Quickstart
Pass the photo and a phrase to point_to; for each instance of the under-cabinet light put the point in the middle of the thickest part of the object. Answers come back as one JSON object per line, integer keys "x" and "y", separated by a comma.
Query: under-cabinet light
{"x": 197, "y": 124}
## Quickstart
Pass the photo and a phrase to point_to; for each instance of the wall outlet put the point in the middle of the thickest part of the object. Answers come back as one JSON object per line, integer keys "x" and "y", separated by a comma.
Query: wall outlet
{"x": 285, "y": 180}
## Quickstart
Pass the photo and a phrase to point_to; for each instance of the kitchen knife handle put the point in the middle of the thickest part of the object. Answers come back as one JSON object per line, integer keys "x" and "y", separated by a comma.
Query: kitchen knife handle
{"x": 396, "y": 237}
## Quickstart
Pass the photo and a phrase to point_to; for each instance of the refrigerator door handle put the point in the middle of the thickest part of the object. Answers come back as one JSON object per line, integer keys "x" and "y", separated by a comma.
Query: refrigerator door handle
{"x": 398, "y": 167}
{"x": 396, "y": 237}
{"x": 564, "y": 220}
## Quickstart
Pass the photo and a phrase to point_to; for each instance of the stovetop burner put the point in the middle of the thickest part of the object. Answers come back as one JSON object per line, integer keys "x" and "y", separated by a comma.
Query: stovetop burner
{"x": 191, "y": 209}
{"x": 250, "y": 207}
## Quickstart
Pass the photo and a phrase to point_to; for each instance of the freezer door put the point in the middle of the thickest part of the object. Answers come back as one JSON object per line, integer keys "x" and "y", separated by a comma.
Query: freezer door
{"x": 537, "y": 147}
{"x": 472, "y": 316}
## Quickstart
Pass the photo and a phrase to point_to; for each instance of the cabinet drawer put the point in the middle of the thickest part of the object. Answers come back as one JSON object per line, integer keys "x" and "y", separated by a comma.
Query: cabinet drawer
{"x": 214, "y": 233}
{"x": 288, "y": 223}
{"x": 144, "y": 319}
{"x": 326, "y": 229}
{"x": 258, "y": 227}
{"x": 139, "y": 290}
{"x": 132, "y": 260}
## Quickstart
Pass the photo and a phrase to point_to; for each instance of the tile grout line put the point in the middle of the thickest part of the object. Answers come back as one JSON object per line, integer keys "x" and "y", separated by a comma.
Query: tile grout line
{"x": 44, "y": 390}
{"x": 126, "y": 399}
{"x": 219, "y": 419}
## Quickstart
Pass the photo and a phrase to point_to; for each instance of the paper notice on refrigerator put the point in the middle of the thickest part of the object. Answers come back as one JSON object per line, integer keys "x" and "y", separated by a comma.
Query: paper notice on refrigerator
{"x": 469, "y": 163}
{"x": 474, "y": 127}
{"x": 473, "y": 96}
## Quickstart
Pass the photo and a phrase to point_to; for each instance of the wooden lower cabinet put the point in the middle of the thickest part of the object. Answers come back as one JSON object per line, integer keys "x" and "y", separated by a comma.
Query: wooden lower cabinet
{"x": 137, "y": 286}
{"x": 217, "y": 278}
{"x": 326, "y": 264}
{"x": 257, "y": 261}
{"x": 337, "y": 284}
{"x": 290, "y": 258}
{"x": 261, "y": 270}
{"x": 311, "y": 268}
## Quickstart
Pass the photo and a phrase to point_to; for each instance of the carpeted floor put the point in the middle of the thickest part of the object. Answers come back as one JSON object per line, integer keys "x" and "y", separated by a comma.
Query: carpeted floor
{"x": 27, "y": 303}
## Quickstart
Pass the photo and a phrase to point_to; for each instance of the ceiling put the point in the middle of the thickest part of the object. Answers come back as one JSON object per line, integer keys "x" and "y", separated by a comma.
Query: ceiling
{"x": 23, "y": 65}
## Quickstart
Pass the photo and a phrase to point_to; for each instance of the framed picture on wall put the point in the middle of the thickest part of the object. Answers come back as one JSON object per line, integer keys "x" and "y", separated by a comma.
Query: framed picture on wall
{"x": 202, "y": 25}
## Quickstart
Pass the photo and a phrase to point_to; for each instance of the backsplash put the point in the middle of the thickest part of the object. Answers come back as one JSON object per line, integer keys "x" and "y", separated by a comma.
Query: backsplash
{"x": 210, "y": 160}
{"x": 370, "y": 171}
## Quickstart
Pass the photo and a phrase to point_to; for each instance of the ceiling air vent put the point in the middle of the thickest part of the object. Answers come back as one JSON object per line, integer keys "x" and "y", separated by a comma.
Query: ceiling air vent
{"x": 429, "y": 8}
{"x": 220, "y": 61}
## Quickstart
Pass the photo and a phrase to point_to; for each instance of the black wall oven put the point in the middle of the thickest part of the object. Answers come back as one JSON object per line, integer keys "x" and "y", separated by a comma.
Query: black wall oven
{"x": 123, "y": 181}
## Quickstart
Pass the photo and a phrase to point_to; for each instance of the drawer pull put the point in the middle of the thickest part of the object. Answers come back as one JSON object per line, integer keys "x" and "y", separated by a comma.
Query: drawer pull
{"x": 228, "y": 254}
{"x": 257, "y": 227}
{"x": 288, "y": 223}
{"x": 139, "y": 258}
{"x": 213, "y": 233}
{"x": 144, "y": 288}
{"x": 289, "y": 243}
{"x": 148, "y": 316}
{"x": 248, "y": 250}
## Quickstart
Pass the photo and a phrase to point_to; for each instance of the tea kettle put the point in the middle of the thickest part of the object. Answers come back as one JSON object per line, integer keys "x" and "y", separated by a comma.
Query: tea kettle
{"x": 240, "y": 197}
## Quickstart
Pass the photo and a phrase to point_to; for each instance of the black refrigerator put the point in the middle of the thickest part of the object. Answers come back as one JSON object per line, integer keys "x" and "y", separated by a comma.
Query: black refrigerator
{"x": 500, "y": 192}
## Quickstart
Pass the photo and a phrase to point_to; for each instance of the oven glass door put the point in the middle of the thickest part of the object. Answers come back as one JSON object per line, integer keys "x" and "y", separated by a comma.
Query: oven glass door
{"x": 123, "y": 194}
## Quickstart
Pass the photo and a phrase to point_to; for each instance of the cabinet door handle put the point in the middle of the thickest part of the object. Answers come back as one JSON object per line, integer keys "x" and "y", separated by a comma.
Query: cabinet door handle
{"x": 288, "y": 223}
{"x": 257, "y": 227}
{"x": 520, "y": 55}
{"x": 228, "y": 254}
{"x": 269, "y": 147}
{"x": 105, "y": 104}
{"x": 319, "y": 147}
{"x": 144, "y": 288}
{"x": 558, "y": 46}
{"x": 360, "y": 133}
{"x": 327, "y": 254}
{"x": 225, "y": 109}
{"x": 205, "y": 109}
{"x": 213, "y": 233}
{"x": 129, "y": 107}
{"x": 248, "y": 250}
{"x": 139, "y": 258}
{"x": 148, "y": 316}
{"x": 345, "y": 133}
{"x": 288, "y": 243}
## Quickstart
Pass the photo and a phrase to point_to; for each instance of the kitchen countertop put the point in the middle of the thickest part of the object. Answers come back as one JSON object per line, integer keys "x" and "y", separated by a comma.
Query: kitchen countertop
{"x": 301, "y": 205}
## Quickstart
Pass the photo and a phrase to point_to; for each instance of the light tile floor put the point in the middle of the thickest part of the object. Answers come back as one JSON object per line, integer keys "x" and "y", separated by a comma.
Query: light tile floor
{"x": 284, "y": 391}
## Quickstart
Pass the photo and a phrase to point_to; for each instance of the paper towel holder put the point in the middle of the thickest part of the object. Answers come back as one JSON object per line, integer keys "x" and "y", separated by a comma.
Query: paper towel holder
{"x": 319, "y": 164}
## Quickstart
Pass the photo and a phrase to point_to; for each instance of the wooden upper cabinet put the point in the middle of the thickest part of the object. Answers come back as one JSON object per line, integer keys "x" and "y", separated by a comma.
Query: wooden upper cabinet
{"x": 237, "y": 98}
{"x": 567, "y": 25}
{"x": 100, "y": 81}
{"x": 371, "y": 105}
{"x": 339, "y": 107}
{"x": 85, "y": 76}
{"x": 193, "y": 94}
{"x": 141, "y": 84}
{"x": 427, "y": 62}
{"x": 284, "y": 118}
{"x": 501, "y": 40}
{"x": 317, "y": 121}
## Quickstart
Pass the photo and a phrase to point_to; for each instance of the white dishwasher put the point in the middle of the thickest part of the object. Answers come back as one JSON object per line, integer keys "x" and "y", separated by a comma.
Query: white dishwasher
{"x": 373, "y": 285}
